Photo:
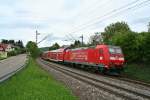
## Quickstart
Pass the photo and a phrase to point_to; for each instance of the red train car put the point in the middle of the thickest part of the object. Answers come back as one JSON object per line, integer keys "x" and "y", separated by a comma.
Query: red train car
{"x": 45, "y": 55}
{"x": 55, "y": 55}
{"x": 104, "y": 58}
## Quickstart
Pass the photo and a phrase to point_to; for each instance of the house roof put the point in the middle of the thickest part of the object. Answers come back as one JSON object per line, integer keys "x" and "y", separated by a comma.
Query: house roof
{"x": 3, "y": 46}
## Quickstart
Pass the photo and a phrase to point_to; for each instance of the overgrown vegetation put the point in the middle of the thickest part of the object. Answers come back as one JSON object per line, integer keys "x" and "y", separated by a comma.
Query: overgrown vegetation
{"x": 33, "y": 49}
{"x": 16, "y": 52}
{"x": 138, "y": 72}
{"x": 32, "y": 83}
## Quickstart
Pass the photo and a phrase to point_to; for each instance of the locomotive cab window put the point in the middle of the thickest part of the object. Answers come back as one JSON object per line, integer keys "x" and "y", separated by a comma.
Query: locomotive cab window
{"x": 115, "y": 50}
{"x": 112, "y": 50}
{"x": 118, "y": 50}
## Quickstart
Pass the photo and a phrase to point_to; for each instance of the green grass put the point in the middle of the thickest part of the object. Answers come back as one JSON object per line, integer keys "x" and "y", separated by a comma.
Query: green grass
{"x": 138, "y": 72}
{"x": 33, "y": 83}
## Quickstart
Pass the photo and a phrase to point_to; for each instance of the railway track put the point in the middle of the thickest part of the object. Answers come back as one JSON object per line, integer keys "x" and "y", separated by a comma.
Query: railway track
{"x": 110, "y": 87}
{"x": 122, "y": 78}
{"x": 134, "y": 81}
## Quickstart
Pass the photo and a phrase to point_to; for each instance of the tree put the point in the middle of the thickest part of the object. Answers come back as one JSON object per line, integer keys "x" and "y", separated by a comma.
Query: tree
{"x": 76, "y": 44}
{"x": 33, "y": 49}
{"x": 11, "y": 42}
{"x": 146, "y": 46}
{"x": 54, "y": 46}
{"x": 19, "y": 43}
{"x": 4, "y": 41}
{"x": 112, "y": 29}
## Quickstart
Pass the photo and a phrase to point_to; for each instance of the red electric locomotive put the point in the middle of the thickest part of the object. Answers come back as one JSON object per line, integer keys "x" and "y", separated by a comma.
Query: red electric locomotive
{"x": 103, "y": 58}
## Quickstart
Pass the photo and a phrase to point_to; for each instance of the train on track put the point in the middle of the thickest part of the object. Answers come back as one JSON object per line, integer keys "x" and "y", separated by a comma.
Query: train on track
{"x": 102, "y": 58}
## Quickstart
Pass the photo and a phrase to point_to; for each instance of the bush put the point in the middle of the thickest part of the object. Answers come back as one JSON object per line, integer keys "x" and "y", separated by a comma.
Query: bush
{"x": 12, "y": 53}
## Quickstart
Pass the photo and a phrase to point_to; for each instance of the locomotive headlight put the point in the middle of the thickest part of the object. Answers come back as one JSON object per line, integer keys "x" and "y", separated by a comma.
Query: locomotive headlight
{"x": 121, "y": 58}
{"x": 112, "y": 58}
{"x": 101, "y": 58}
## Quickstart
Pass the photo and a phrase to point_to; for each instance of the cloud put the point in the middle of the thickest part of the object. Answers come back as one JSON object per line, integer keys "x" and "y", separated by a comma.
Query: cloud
{"x": 25, "y": 25}
{"x": 71, "y": 4}
{"x": 141, "y": 20}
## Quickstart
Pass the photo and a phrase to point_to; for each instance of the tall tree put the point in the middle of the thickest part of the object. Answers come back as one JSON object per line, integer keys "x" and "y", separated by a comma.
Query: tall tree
{"x": 146, "y": 46}
{"x": 19, "y": 43}
{"x": 11, "y": 42}
{"x": 76, "y": 44}
{"x": 54, "y": 46}
{"x": 113, "y": 29}
{"x": 4, "y": 41}
{"x": 33, "y": 49}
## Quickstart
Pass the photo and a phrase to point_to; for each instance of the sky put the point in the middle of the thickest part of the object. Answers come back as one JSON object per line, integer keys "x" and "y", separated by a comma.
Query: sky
{"x": 64, "y": 21}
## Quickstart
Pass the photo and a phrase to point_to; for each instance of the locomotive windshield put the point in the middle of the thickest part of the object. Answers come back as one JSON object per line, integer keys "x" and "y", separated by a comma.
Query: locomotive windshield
{"x": 114, "y": 50}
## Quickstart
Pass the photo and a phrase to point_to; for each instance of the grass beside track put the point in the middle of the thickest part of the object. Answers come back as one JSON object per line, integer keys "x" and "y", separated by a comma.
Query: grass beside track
{"x": 33, "y": 83}
{"x": 138, "y": 72}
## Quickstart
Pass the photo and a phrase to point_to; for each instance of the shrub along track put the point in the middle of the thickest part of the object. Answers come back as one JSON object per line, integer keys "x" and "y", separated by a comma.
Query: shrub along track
{"x": 119, "y": 88}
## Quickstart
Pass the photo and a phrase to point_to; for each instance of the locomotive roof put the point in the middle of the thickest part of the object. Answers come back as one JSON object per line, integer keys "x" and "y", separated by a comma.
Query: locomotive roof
{"x": 58, "y": 50}
{"x": 114, "y": 46}
{"x": 97, "y": 46}
{"x": 81, "y": 48}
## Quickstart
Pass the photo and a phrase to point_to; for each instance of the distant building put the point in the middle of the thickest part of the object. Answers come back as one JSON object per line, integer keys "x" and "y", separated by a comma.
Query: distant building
{"x": 4, "y": 49}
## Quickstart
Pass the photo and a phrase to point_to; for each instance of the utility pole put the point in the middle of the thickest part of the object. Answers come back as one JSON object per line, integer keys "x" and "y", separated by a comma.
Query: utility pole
{"x": 81, "y": 39}
{"x": 37, "y": 36}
